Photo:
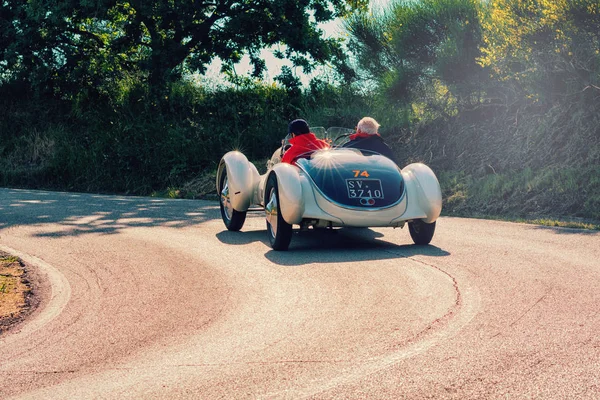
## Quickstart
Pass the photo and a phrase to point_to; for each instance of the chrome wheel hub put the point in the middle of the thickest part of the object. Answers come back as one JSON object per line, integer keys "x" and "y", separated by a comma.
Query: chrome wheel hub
{"x": 226, "y": 200}
{"x": 271, "y": 213}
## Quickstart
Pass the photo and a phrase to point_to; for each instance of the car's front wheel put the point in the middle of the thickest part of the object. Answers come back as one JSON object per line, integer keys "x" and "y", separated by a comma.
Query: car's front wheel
{"x": 421, "y": 232}
{"x": 234, "y": 220}
{"x": 280, "y": 232}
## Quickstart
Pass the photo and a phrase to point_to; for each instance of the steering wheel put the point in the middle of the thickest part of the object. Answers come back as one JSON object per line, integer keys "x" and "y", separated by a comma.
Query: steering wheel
{"x": 334, "y": 142}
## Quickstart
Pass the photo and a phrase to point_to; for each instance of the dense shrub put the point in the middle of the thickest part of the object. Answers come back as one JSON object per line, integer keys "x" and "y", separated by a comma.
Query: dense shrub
{"x": 132, "y": 142}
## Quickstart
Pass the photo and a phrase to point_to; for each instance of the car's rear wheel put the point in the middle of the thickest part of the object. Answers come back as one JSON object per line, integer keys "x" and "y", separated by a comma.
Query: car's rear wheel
{"x": 233, "y": 219}
{"x": 279, "y": 231}
{"x": 421, "y": 232}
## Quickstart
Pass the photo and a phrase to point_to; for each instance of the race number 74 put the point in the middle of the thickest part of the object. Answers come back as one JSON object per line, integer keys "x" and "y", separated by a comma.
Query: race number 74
{"x": 358, "y": 173}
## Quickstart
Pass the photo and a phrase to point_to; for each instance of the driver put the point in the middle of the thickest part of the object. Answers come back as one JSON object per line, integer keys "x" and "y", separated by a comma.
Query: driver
{"x": 368, "y": 138}
{"x": 303, "y": 142}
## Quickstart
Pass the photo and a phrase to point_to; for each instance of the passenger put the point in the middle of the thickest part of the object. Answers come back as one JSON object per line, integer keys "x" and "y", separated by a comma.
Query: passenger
{"x": 368, "y": 138}
{"x": 303, "y": 142}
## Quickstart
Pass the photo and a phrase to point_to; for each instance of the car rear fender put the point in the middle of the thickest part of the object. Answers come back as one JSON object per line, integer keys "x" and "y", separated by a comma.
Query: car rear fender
{"x": 243, "y": 179}
{"x": 425, "y": 188}
{"x": 291, "y": 200}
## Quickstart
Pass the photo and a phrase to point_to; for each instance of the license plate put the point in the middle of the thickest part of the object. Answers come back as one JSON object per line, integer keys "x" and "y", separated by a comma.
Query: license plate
{"x": 364, "y": 188}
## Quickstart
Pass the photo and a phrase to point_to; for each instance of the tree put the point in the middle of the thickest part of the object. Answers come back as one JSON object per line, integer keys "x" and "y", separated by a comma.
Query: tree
{"x": 423, "y": 51}
{"x": 161, "y": 39}
{"x": 544, "y": 49}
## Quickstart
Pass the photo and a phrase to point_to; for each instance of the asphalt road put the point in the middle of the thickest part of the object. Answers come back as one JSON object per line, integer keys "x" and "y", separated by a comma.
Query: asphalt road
{"x": 152, "y": 298}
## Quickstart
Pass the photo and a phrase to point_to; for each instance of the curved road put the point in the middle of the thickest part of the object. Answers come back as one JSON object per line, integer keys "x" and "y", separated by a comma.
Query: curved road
{"x": 152, "y": 298}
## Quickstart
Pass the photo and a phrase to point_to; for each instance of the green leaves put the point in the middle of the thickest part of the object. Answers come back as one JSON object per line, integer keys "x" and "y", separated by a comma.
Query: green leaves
{"x": 544, "y": 49}
{"x": 69, "y": 43}
{"x": 419, "y": 50}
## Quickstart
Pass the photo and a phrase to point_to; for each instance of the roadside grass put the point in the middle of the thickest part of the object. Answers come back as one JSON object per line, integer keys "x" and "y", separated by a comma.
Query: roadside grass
{"x": 203, "y": 186}
{"x": 537, "y": 196}
{"x": 549, "y": 222}
{"x": 9, "y": 259}
{"x": 14, "y": 290}
{"x": 562, "y": 224}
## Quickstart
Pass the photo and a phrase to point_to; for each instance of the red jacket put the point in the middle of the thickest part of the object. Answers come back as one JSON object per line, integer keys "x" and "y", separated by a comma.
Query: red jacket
{"x": 302, "y": 147}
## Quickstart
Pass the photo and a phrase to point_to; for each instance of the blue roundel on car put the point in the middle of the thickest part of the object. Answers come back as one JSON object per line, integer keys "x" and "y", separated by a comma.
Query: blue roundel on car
{"x": 351, "y": 178}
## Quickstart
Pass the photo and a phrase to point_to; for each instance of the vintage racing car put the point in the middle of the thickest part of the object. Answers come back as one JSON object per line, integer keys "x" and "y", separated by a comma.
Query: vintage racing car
{"x": 337, "y": 187}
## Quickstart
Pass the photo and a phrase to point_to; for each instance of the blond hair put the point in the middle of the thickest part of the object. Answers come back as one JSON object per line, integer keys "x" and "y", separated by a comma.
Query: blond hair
{"x": 368, "y": 125}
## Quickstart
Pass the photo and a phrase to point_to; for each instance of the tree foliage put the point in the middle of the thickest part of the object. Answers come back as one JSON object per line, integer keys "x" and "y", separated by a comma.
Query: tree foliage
{"x": 445, "y": 54}
{"x": 416, "y": 50}
{"x": 51, "y": 42}
{"x": 546, "y": 49}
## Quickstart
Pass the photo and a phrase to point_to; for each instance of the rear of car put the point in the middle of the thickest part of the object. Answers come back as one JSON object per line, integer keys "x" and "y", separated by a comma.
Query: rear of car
{"x": 349, "y": 188}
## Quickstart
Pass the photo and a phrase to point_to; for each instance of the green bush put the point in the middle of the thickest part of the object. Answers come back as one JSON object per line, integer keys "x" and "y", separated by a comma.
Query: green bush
{"x": 131, "y": 142}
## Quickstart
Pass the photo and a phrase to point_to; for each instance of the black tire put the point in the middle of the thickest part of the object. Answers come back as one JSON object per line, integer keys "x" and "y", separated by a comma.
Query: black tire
{"x": 279, "y": 231}
{"x": 421, "y": 232}
{"x": 234, "y": 220}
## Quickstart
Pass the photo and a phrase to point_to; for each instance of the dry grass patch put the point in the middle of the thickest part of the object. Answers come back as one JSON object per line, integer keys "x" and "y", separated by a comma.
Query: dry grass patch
{"x": 15, "y": 291}
{"x": 563, "y": 224}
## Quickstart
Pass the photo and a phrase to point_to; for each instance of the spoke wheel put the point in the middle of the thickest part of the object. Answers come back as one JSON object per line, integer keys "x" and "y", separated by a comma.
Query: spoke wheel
{"x": 279, "y": 231}
{"x": 421, "y": 232}
{"x": 233, "y": 219}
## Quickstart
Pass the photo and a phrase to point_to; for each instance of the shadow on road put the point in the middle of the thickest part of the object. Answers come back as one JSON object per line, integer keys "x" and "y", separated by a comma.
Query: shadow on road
{"x": 243, "y": 237}
{"x": 331, "y": 246}
{"x": 80, "y": 214}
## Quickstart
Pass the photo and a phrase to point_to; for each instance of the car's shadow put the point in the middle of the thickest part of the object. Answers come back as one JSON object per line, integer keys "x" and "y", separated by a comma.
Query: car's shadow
{"x": 243, "y": 237}
{"x": 332, "y": 246}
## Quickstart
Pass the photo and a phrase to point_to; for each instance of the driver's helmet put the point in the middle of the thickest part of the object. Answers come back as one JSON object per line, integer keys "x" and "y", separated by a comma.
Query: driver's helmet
{"x": 298, "y": 126}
